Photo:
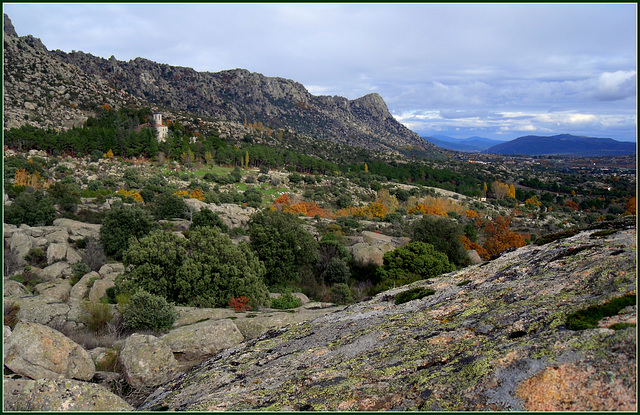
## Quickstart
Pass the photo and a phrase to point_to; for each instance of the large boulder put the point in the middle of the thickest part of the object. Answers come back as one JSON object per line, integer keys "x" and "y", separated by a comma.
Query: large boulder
{"x": 364, "y": 253}
{"x": 49, "y": 395}
{"x": 80, "y": 290}
{"x": 56, "y": 271}
{"x": 147, "y": 361}
{"x": 201, "y": 340}
{"x": 40, "y": 352}
{"x": 99, "y": 288}
{"x": 56, "y": 290}
{"x": 20, "y": 243}
{"x": 56, "y": 252}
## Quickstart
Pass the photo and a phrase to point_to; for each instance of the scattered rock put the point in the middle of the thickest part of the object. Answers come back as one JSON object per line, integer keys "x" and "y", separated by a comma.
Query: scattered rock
{"x": 200, "y": 340}
{"x": 52, "y": 395}
{"x": 147, "y": 361}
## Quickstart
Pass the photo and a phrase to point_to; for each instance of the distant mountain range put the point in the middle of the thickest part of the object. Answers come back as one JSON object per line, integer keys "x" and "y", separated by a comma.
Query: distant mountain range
{"x": 468, "y": 145}
{"x": 564, "y": 144}
{"x": 533, "y": 145}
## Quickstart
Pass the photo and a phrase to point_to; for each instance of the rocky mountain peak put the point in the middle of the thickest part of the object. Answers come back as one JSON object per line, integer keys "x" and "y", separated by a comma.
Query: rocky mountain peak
{"x": 9, "y": 30}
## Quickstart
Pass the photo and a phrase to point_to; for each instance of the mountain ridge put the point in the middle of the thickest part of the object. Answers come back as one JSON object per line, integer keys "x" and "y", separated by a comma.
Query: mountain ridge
{"x": 235, "y": 95}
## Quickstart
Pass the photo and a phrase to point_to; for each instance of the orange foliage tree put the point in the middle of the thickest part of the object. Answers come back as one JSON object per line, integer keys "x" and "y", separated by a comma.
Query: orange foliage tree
{"x": 500, "y": 237}
{"x": 571, "y": 204}
{"x": 631, "y": 206}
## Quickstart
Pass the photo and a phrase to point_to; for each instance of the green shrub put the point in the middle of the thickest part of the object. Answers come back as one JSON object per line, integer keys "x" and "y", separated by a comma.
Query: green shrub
{"x": 206, "y": 270}
{"x": 341, "y": 294}
{"x": 79, "y": 271}
{"x": 413, "y": 262}
{"x": 33, "y": 207}
{"x": 284, "y": 246}
{"x": 28, "y": 278}
{"x": 463, "y": 283}
{"x": 206, "y": 217}
{"x": 122, "y": 223}
{"x": 148, "y": 312}
{"x": 444, "y": 234}
{"x": 589, "y": 317}
{"x": 96, "y": 315}
{"x": 621, "y": 326}
{"x": 169, "y": 206}
{"x": 337, "y": 271}
{"x": 286, "y": 301}
{"x": 603, "y": 233}
{"x": 412, "y": 294}
{"x": 36, "y": 257}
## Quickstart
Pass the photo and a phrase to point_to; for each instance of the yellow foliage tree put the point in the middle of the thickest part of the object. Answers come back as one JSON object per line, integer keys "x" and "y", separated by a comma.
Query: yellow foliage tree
{"x": 130, "y": 193}
{"x": 533, "y": 200}
{"x": 196, "y": 194}
{"x": 108, "y": 154}
{"x": 499, "y": 189}
{"x": 512, "y": 191}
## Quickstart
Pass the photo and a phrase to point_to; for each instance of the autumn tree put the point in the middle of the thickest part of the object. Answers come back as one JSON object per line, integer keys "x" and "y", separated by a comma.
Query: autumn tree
{"x": 500, "y": 237}
{"x": 631, "y": 206}
{"x": 500, "y": 190}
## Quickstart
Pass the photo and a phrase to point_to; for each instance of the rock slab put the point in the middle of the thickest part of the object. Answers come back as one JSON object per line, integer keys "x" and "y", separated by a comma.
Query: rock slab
{"x": 40, "y": 352}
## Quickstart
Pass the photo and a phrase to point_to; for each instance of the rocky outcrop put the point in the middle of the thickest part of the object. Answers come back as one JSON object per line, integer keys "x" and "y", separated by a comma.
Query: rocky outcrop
{"x": 39, "y": 352}
{"x": 49, "y": 395}
{"x": 371, "y": 247}
{"x": 43, "y": 91}
{"x": 492, "y": 337}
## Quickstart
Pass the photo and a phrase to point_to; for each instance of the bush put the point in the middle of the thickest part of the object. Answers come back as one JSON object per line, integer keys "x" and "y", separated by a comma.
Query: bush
{"x": 36, "y": 257}
{"x": 589, "y": 317}
{"x": 11, "y": 311}
{"x": 206, "y": 217}
{"x": 169, "y": 206}
{"x": 148, "y": 312}
{"x": 413, "y": 262}
{"x": 97, "y": 315}
{"x": 413, "y": 294}
{"x": 122, "y": 223}
{"x": 33, "y": 207}
{"x": 444, "y": 235}
{"x": 341, "y": 294}
{"x": 282, "y": 244}
{"x": 337, "y": 271}
{"x": 545, "y": 239}
{"x": 286, "y": 301}
{"x": 206, "y": 270}
{"x": 79, "y": 271}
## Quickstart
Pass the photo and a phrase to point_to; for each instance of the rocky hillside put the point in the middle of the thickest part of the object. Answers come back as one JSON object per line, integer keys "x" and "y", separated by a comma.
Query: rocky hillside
{"x": 492, "y": 337}
{"x": 42, "y": 91}
{"x": 51, "y": 88}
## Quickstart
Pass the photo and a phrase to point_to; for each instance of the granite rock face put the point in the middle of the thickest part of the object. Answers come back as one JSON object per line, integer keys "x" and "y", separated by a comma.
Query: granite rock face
{"x": 492, "y": 337}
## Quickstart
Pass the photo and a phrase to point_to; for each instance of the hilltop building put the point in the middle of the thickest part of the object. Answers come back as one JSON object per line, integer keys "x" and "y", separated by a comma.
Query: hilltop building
{"x": 162, "y": 130}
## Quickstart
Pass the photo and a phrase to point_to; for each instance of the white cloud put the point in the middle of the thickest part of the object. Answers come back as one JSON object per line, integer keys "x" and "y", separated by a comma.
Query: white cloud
{"x": 616, "y": 85}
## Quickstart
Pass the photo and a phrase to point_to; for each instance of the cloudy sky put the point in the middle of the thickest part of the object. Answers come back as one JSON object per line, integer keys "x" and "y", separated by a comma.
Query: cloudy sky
{"x": 493, "y": 70}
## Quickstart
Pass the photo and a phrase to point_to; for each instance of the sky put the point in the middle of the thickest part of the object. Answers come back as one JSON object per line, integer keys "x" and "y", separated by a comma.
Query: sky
{"x": 493, "y": 70}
